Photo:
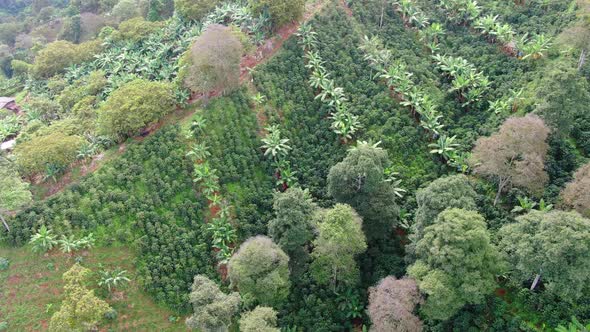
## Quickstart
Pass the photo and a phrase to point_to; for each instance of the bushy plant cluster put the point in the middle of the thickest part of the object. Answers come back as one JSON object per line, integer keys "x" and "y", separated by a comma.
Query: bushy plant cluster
{"x": 145, "y": 199}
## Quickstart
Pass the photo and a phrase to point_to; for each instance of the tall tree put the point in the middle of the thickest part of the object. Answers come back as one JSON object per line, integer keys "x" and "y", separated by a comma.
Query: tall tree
{"x": 441, "y": 194}
{"x": 359, "y": 180}
{"x": 340, "y": 239}
{"x": 457, "y": 263}
{"x": 133, "y": 106}
{"x": 515, "y": 155}
{"x": 214, "y": 61}
{"x": 260, "y": 272}
{"x": 81, "y": 309}
{"x": 14, "y": 192}
{"x": 555, "y": 246}
{"x": 195, "y": 9}
{"x": 281, "y": 11}
{"x": 261, "y": 319}
{"x": 292, "y": 226}
{"x": 576, "y": 194}
{"x": 213, "y": 309}
{"x": 392, "y": 303}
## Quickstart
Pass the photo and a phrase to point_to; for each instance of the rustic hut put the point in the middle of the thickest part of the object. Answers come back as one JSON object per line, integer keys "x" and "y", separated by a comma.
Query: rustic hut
{"x": 9, "y": 104}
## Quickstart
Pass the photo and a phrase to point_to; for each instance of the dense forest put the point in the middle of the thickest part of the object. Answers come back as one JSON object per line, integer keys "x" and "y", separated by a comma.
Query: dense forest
{"x": 295, "y": 165}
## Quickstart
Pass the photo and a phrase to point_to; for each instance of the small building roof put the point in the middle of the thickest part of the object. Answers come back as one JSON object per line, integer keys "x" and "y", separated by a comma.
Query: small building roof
{"x": 5, "y": 101}
{"x": 8, "y": 145}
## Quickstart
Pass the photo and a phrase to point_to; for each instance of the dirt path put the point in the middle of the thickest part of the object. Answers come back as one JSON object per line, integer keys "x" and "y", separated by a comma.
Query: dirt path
{"x": 262, "y": 54}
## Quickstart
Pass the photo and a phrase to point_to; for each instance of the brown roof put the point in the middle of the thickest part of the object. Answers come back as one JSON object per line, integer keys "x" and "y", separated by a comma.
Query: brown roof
{"x": 5, "y": 101}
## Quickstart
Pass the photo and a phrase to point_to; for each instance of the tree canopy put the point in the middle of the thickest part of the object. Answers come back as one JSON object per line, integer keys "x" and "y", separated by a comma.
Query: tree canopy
{"x": 260, "y": 272}
{"x": 133, "y": 106}
{"x": 554, "y": 245}
{"x": 515, "y": 155}
{"x": 213, "y": 310}
{"x": 292, "y": 226}
{"x": 213, "y": 62}
{"x": 391, "y": 305}
{"x": 457, "y": 263}
{"x": 340, "y": 239}
{"x": 80, "y": 309}
{"x": 576, "y": 194}
{"x": 359, "y": 180}
{"x": 261, "y": 319}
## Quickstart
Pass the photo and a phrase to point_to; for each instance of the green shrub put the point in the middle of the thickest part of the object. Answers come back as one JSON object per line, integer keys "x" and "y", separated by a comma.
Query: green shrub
{"x": 55, "y": 149}
{"x": 4, "y": 263}
{"x": 133, "y": 106}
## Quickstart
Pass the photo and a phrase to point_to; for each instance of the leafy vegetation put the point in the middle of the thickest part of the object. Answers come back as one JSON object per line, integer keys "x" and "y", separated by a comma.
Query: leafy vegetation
{"x": 336, "y": 165}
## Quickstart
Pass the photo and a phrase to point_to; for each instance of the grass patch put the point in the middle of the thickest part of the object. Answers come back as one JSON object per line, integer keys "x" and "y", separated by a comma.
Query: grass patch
{"x": 31, "y": 291}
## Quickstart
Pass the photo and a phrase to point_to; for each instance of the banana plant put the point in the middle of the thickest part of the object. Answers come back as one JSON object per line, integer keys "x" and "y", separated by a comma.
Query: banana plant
{"x": 535, "y": 47}
{"x": 274, "y": 145}
{"x": 444, "y": 146}
{"x": 307, "y": 37}
{"x": 198, "y": 152}
{"x": 391, "y": 177}
{"x": 44, "y": 240}
{"x": 345, "y": 124}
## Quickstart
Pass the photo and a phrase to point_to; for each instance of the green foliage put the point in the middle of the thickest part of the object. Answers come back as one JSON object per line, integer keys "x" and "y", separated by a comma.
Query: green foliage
{"x": 44, "y": 240}
{"x": 144, "y": 197}
{"x": 213, "y": 310}
{"x": 4, "y": 263}
{"x": 281, "y": 11}
{"x": 457, "y": 263}
{"x": 111, "y": 279}
{"x": 359, "y": 180}
{"x": 55, "y": 149}
{"x": 194, "y": 10}
{"x": 14, "y": 192}
{"x": 261, "y": 319}
{"x": 133, "y": 106}
{"x": 260, "y": 272}
{"x": 291, "y": 229}
{"x": 59, "y": 55}
{"x": 340, "y": 239}
{"x": 443, "y": 193}
{"x": 553, "y": 245}
{"x": 80, "y": 307}
{"x": 136, "y": 29}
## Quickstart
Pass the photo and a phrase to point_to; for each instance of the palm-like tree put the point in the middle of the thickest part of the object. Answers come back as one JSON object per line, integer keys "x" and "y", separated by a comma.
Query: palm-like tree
{"x": 198, "y": 125}
{"x": 487, "y": 25}
{"x": 444, "y": 146}
{"x": 307, "y": 37}
{"x": 319, "y": 78}
{"x": 43, "y": 240}
{"x": 274, "y": 145}
{"x": 259, "y": 98}
{"x": 432, "y": 33}
{"x": 505, "y": 33}
{"x": 204, "y": 172}
{"x": 391, "y": 177}
{"x": 344, "y": 123}
{"x": 534, "y": 47}
{"x": 199, "y": 152}
{"x": 112, "y": 279}
{"x": 314, "y": 61}
{"x": 68, "y": 244}
{"x": 500, "y": 106}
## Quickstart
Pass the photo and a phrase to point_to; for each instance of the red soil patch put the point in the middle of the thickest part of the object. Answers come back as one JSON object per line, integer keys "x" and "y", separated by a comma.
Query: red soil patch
{"x": 346, "y": 8}
{"x": 262, "y": 54}
{"x": 14, "y": 279}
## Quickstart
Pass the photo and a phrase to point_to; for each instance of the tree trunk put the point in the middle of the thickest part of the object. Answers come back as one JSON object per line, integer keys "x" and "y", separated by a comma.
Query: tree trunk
{"x": 582, "y": 59}
{"x": 536, "y": 281}
{"x": 4, "y": 222}
{"x": 501, "y": 185}
{"x": 382, "y": 13}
